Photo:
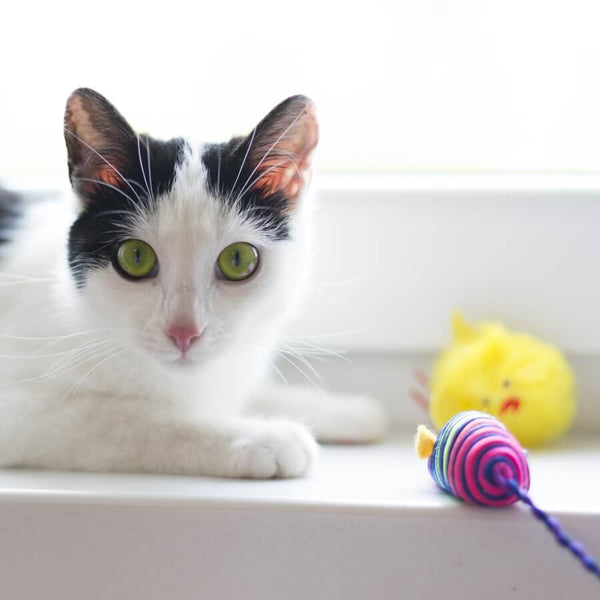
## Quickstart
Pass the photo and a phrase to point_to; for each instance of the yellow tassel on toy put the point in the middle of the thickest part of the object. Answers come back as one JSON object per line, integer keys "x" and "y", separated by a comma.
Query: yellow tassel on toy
{"x": 524, "y": 382}
{"x": 424, "y": 442}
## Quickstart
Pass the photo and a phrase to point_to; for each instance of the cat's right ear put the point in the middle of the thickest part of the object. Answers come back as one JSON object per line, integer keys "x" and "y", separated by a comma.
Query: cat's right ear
{"x": 99, "y": 142}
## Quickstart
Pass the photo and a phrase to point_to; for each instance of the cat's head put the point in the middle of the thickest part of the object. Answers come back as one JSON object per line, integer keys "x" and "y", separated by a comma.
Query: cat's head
{"x": 182, "y": 250}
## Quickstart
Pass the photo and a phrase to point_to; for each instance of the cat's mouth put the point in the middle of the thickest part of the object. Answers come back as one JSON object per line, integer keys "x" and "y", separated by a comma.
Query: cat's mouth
{"x": 171, "y": 359}
{"x": 184, "y": 361}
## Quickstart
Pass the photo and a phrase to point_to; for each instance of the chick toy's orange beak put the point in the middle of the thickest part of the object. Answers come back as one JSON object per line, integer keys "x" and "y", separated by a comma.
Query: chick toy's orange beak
{"x": 510, "y": 404}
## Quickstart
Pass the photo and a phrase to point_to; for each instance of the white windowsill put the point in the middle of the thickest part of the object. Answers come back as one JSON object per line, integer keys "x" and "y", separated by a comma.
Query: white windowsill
{"x": 386, "y": 476}
{"x": 367, "y": 523}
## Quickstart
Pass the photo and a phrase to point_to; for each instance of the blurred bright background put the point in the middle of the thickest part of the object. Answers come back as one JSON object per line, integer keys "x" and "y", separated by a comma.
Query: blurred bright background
{"x": 422, "y": 85}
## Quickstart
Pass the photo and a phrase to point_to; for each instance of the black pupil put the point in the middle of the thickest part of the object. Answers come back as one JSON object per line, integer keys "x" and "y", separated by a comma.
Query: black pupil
{"x": 236, "y": 258}
{"x": 137, "y": 256}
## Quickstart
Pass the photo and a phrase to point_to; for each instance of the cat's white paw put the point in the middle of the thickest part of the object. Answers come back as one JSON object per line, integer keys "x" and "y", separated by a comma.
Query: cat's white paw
{"x": 276, "y": 448}
{"x": 350, "y": 419}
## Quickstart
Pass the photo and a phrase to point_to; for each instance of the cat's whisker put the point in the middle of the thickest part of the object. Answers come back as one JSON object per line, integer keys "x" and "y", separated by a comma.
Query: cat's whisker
{"x": 289, "y": 158}
{"x": 75, "y": 358}
{"x": 24, "y": 277}
{"x": 54, "y": 370}
{"x": 104, "y": 159}
{"x": 278, "y": 371}
{"x": 142, "y": 166}
{"x": 108, "y": 185}
{"x": 300, "y": 370}
{"x": 303, "y": 359}
{"x": 298, "y": 348}
{"x": 219, "y": 170}
{"x": 58, "y": 337}
{"x": 35, "y": 355}
{"x": 321, "y": 336}
{"x": 59, "y": 340}
{"x": 316, "y": 352}
{"x": 114, "y": 212}
{"x": 13, "y": 283}
{"x": 328, "y": 352}
{"x": 242, "y": 165}
{"x": 137, "y": 213}
{"x": 138, "y": 184}
{"x": 149, "y": 169}
{"x": 288, "y": 355}
{"x": 82, "y": 379}
{"x": 246, "y": 188}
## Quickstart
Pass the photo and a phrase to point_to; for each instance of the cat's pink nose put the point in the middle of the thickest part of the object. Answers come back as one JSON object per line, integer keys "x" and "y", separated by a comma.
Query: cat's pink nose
{"x": 183, "y": 336}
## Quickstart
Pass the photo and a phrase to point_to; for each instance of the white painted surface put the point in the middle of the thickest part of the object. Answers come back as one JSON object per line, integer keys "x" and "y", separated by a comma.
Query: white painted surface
{"x": 368, "y": 523}
{"x": 394, "y": 259}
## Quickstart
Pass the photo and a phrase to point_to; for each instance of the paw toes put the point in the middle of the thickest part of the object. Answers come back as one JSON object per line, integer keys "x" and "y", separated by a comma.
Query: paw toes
{"x": 281, "y": 451}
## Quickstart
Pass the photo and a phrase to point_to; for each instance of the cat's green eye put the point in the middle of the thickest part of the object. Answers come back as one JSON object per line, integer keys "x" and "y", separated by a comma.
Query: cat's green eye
{"x": 135, "y": 259}
{"x": 237, "y": 262}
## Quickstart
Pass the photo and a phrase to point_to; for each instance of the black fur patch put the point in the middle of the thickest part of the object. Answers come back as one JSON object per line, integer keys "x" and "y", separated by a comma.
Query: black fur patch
{"x": 229, "y": 181}
{"x": 100, "y": 227}
{"x": 10, "y": 211}
{"x": 252, "y": 172}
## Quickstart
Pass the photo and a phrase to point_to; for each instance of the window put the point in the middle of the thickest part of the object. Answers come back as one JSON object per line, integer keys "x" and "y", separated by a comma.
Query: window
{"x": 434, "y": 85}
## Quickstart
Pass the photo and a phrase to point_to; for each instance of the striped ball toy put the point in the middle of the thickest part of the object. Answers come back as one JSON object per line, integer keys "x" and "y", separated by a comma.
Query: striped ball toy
{"x": 473, "y": 453}
{"x": 476, "y": 459}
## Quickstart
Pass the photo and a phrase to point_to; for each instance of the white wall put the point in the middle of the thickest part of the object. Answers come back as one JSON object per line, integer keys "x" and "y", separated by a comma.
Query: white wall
{"x": 401, "y": 85}
{"x": 397, "y": 255}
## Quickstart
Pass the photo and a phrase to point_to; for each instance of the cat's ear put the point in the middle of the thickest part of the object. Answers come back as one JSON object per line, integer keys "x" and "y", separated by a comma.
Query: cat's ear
{"x": 99, "y": 141}
{"x": 280, "y": 148}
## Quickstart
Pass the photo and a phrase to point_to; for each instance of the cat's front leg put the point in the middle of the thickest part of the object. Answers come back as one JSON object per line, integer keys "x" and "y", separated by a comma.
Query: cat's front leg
{"x": 108, "y": 434}
{"x": 332, "y": 417}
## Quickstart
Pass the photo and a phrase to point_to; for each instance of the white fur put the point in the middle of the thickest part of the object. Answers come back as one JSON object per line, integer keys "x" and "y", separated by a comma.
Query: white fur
{"x": 100, "y": 386}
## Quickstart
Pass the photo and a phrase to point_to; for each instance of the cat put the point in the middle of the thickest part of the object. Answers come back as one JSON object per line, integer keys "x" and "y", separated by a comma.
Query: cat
{"x": 140, "y": 311}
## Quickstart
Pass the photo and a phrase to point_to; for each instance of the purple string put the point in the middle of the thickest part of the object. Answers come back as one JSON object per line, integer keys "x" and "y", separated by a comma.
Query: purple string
{"x": 554, "y": 526}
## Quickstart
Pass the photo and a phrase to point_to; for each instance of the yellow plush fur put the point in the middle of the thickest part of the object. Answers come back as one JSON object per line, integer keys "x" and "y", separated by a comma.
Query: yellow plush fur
{"x": 524, "y": 382}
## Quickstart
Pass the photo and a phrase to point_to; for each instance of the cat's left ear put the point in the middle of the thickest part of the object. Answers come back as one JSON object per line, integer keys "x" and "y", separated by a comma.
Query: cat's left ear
{"x": 280, "y": 149}
{"x": 99, "y": 141}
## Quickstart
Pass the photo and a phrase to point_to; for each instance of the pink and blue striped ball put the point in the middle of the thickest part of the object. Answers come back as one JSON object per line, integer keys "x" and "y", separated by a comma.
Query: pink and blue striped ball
{"x": 474, "y": 455}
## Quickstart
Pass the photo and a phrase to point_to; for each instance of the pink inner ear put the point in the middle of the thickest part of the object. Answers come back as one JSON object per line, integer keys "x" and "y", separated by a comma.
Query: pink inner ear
{"x": 282, "y": 175}
{"x": 108, "y": 175}
{"x": 287, "y": 168}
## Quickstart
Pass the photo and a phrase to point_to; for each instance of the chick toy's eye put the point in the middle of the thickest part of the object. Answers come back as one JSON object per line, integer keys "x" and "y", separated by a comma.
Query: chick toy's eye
{"x": 506, "y": 383}
{"x": 135, "y": 259}
{"x": 485, "y": 402}
{"x": 237, "y": 262}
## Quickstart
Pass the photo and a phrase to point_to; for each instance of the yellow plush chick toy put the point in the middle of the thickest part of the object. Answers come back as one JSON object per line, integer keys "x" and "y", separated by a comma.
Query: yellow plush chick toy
{"x": 524, "y": 382}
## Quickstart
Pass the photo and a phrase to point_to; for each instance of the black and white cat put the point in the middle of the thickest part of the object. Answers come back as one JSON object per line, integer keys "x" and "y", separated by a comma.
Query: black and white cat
{"x": 139, "y": 315}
